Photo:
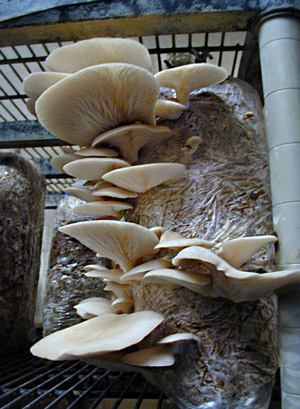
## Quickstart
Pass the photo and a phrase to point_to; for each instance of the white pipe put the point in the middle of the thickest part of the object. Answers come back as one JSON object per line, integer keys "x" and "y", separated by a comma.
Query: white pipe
{"x": 279, "y": 43}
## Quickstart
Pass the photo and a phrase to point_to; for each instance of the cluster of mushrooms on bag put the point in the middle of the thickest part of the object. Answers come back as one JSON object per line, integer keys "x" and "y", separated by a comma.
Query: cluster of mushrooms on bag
{"x": 173, "y": 169}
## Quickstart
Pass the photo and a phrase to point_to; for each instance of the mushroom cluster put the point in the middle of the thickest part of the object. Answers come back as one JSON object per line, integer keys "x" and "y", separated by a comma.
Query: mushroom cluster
{"x": 102, "y": 96}
{"x": 112, "y": 335}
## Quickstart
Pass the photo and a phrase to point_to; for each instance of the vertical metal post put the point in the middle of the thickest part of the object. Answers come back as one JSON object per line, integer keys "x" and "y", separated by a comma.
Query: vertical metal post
{"x": 279, "y": 47}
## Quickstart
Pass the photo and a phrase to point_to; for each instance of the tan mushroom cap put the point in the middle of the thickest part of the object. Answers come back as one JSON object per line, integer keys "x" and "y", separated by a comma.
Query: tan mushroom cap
{"x": 30, "y": 105}
{"x": 158, "y": 230}
{"x": 93, "y": 152}
{"x": 96, "y": 99}
{"x": 166, "y": 109}
{"x": 114, "y": 191}
{"x": 119, "y": 290}
{"x": 94, "y": 51}
{"x": 107, "y": 333}
{"x": 173, "y": 240}
{"x": 138, "y": 272}
{"x": 122, "y": 242}
{"x": 171, "y": 277}
{"x": 113, "y": 275}
{"x": 80, "y": 193}
{"x": 157, "y": 356}
{"x": 103, "y": 208}
{"x": 37, "y": 82}
{"x": 189, "y": 77}
{"x": 122, "y": 305}
{"x": 93, "y": 307}
{"x": 92, "y": 267}
{"x": 144, "y": 177}
{"x": 239, "y": 251}
{"x": 129, "y": 139}
{"x": 178, "y": 338}
{"x": 93, "y": 168}
{"x": 58, "y": 162}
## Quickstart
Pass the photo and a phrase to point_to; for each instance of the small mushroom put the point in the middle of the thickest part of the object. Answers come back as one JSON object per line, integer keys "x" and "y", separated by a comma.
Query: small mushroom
{"x": 58, "y": 162}
{"x": 93, "y": 307}
{"x": 98, "y": 267}
{"x": 94, "y": 51}
{"x": 80, "y": 193}
{"x": 37, "y": 82}
{"x": 93, "y": 168}
{"x": 165, "y": 109}
{"x": 191, "y": 145}
{"x": 239, "y": 251}
{"x": 112, "y": 275}
{"x": 102, "y": 208}
{"x": 157, "y": 356}
{"x": 100, "y": 335}
{"x": 138, "y": 272}
{"x": 113, "y": 191}
{"x": 179, "y": 337}
{"x": 94, "y": 152}
{"x": 173, "y": 240}
{"x": 122, "y": 305}
{"x": 129, "y": 139}
{"x": 189, "y": 77}
{"x": 119, "y": 290}
{"x": 100, "y": 98}
{"x": 144, "y": 177}
{"x": 122, "y": 242}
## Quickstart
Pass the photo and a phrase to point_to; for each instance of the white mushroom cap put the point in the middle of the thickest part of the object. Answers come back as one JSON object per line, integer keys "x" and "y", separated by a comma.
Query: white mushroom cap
{"x": 105, "y": 208}
{"x": 151, "y": 357}
{"x": 138, "y": 272}
{"x": 112, "y": 275}
{"x": 123, "y": 243}
{"x": 93, "y": 168}
{"x": 93, "y": 307}
{"x": 107, "y": 333}
{"x": 119, "y": 290}
{"x": 85, "y": 53}
{"x": 122, "y": 305}
{"x": 144, "y": 177}
{"x": 91, "y": 267}
{"x": 129, "y": 139}
{"x": 58, "y": 162}
{"x": 110, "y": 361}
{"x": 96, "y": 99}
{"x": 166, "y": 109}
{"x": 189, "y": 77}
{"x": 239, "y": 251}
{"x": 37, "y": 82}
{"x": 80, "y": 193}
{"x": 114, "y": 191}
{"x": 93, "y": 152}
{"x": 171, "y": 277}
{"x": 178, "y": 338}
{"x": 173, "y": 240}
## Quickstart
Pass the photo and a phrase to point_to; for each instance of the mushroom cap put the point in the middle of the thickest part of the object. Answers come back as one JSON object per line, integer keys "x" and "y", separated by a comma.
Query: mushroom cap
{"x": 94, "y": 152}
{"x": 158, "y": 230}
{"x": 129, "y": 139}
{"x": 112, "y": 275}
{"x": 122, "y": 242}
{"x": 103, "y": 208}
{"x": 107, "y": 333}
{"x": 37, "y": 82}
{"x": 189, "y": 77}
{"x": 122, "y": 305}
{"x": 96, "y": 99}
{"x": 30, "y": 105}
{"x": 80, "y": 193}
{"x": 92, "y": 267}
{"x": 239, "y": 251}
{"x": 114, "y": 191}
{"x": 173, "y": 240}
{"x": 58, "y": 162}
{"x": 94, "y": 51}
{"x": 93, "y": 307}
{"x": 178, "y": 338}
{"x": 141, "y": 178}
{"x": 119, "y": 290}
{"x": 157, "y": 356}
{"x": 138, "y": 272}
{"x": 166, "y": 109}
{"x": 93, "y": 168}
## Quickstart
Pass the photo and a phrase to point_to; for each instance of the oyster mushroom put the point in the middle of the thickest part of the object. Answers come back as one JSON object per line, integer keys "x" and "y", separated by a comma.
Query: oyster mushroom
{"x": 94, "y": 51}
{"x": 94, "y": 152}
{"x": 112, "y": 275}
{"x": 93, "y": 168}
{"x": 173, "y": 240}
{"x": 102, "y": 208}
{"x": 113, "y": 191}
{"x": 122, "y": 305}
{"x": 58, "y": 162}
{"x": 156, "y": 356}
{"x": 93, "y": 307}
{"x": 138, "y": 272}
{"x": 80, "y": 193}
{"x": 165, "y": 109}
{"x": 101, "y": 97}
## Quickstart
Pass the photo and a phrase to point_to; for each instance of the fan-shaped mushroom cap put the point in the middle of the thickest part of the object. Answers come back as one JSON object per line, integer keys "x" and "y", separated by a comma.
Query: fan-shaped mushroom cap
{"x": 58, "y": 162}
{"x": 138, "y": 272}
{"x": 96, "y": 99}
{"x": 107, "y": 333}
{"x": 158, "y": 230}
{"x": 130, "y": 139}
{"x": 119, "y": 290}
{"x": 152, "y": 357}
{"x": 227, "y": 281}
{"x": 122, "y": 305}
{"x": 144, "y": 177}
{"x": 178, "y": 338}
{"x": 189, "y": 77}
{"x": 37, "y": 82}
{"x": 114, "y": 191}
{"x": 93, "y": 307}
{"x": 105, "y": 208}
{"x": 171, "y": 277}
{"x": 93, "y": 152}
{"x": 112, "y": 275}
{"x": 173, "y": 240}
{"x": 92, "y": 267}
{"x": 166, "y": 109}
{"x": 239, "y": 251}
{"x": 85, "y": 53}
{"x": 123, "y": 243}
{"x": 93, "y": 168}
{"x": 80, "y": 193}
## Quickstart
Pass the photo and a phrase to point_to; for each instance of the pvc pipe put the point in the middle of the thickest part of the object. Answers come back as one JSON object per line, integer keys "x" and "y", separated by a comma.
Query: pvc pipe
{"x": 279, "y": 47}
